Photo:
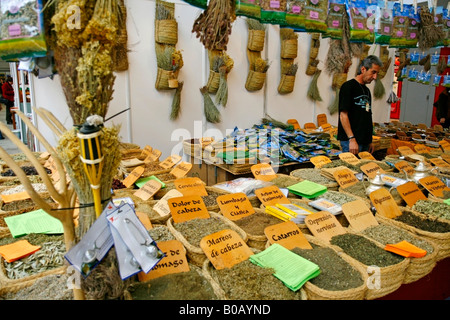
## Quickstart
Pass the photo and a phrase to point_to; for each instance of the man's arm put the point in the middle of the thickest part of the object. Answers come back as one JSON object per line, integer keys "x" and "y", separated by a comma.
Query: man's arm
{"x": 353, "y": 145}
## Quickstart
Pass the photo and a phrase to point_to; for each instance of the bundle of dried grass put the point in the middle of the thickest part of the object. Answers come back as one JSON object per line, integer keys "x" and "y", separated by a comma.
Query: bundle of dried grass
{"x": 441, "y": 66}
{"x": 222, "y": 65}
{"x": 426, "y": 62}
{"x": 176, "y": 102}
{"x": 212, "y": 114}
{"x": 313, "y": 90}
{"x": 430, "y": 34}
{"x": 120, "y": 52}
{"x": 268, "y": 120}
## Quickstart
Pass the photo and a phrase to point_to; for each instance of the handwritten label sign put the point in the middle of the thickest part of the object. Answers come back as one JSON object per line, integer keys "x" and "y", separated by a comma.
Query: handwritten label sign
{"x": 144, "y": 218}
{"x": 446, "y": 158}
{"x": 225, "y": 248}
{"x": 153, "y": 156}
{"x": 148, "y": 190}
{"x": 187, "y": 208}
{"x": 345, "y": 178}
{"x": 170, "y": 161}
{"x": 15, "y": 196}
{"x": 420, "y": 148}
{"x": 191, "y": 186}
{"x": 410, "y": 192}
{"x": 324, "y": 225}
{"x": 434, "y": 185}
{"x": 326, "y": 127}
{"x": 174, "y": 261}
{"x": 182, "y": 169}
{"x": 384, "y": 203}
{"x": 321, "y": 119}
{"x": 235, "y": 206}
{"x": 320, "y": 161}
{"x": 133, "y": 176}
{"x": 371, "y": 169}
{"x": 405, "y": 151}
{"x": 445, "y": 145}
{"x": 146, "y": 152}
{"x": 263, "y": 171}
{"x": 287, "y": 234}
{"x": 438, "y": 162}
{"x": 349, "y": 157}
{"x": 271, "y": 195}
{"x": 403, "y": 166}
{"x": 366, "y": 155}
{"x": 359, "y": 215}
{"x": 162, "y": 206}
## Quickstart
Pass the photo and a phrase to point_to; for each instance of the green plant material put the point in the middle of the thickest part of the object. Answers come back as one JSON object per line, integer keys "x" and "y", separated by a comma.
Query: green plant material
{"x": 433, "y": 208}
{"x": 313, "y": 90}
{"x": 164, "y": 57}
{"x": 222, "y": 91}
{"x": 430, "y": 33}
{"x": 292, "y": 70}
{"x": 253, "y": 24}
{"x": 212, "y": 114}
{"x": 162, "y": 12}
{"x": 269, "y": 120}
{"x": 288, "y": 34}
{"x": 424, "y": 222}
{"x": 176, "y": 102}
{"x": 260, "y": 65}
{"x": 379, "y": 91}
{"x": 334, "y": 106}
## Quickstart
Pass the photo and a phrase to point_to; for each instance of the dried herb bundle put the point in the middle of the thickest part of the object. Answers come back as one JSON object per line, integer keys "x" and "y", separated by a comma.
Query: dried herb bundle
{"x": 176, "y": 102}
{"x": 429, "y": 33}
{"x": 213, "y": 26}
{"x": 212, "y": 114}
{"x": 253, "y": 24}
{"x": 313, "y": 90}
{"x": 260, "y": 65}
{"x": 292, "y": 70}
{"x": 268, "y": 120}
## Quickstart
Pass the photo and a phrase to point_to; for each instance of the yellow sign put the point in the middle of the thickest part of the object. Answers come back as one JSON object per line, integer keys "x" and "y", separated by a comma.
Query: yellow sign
{"x": 366, "y": 155}
{"x": 191, "y": 186}
{"x": 359, "y": 215}
{"x": 182, "y": 169}
{"x": 420, "y": 148}
{"x": 371, "y": 169}
{"x": 287, "y": 234}
{"x": 145, "y": 152}
{"x": 319, "y": 161}
{"x": 263, "y": 171}
{"x": 438, "y": 162}
{"x": 271, "y": 195}
{"x": 153, "y": 156}
{"x": 225, "y": 248}
{"x": 349, "y": 157}
{"x": 384, "y": 203}
{"x": 148, "y": 190}
{"x": 324, "y": 225}
{"x": 235, "y": 206}
{"x": 170, "y": 161}
{"x": 133, "y": 176}
{"x": 434, "y": 185}
{"x": 405, "y": 151}
{"x": 404, "y": 166}
{"x": 15, "y": 196}
{"x": 187, "y": 208}
{"x": 345, "y": 178}
{"x": 410, "y": 192}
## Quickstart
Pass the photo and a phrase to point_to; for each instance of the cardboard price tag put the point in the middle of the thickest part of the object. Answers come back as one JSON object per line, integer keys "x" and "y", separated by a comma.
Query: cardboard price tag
{"x": 384, "y": 203}
{"x": 162, "y": 206}
{"x": 359, "y": 215}
{"x": 225, "y": 248}
{"x": 148, "y": 190}
{"x": 366, "y": 155}
{"x": 181, "y": 170}
{"x": 146, "y": 152}
{"x": 153, "y": 156}
{"x": 434, "y": 185}
{"x": 324, "y": 225}
{"x": 174, "y": 261}
{"x": 191, "y": 186}
{"x": 287, "y": 234}
{"x": 321, "y": 119}
{"x": 326, "y": 127}
{"x": 444, "y": 144}
{"x": 405, "y": 151}
{"x": 144, "y": 218}
{"x": 446, "y": 157}
{"x": 15, "y": 196}
{"x": 345, "y": 178}
{"x": 404, "y": 166}
{"x": 420, "y": 148}
{"x": 170, "y": 161}
{"x": 371, "y": 169}
{"x": 410, "y": 192}
{"x": 187, "y": 208}
{"x": 271, "y": 195}
{"x": 319, "y": 161}
{"x": 263, "y": 171}
{"x": 438, "y": 162}
{"x": 133, "y": 176}
{"x": 349, "y": 158}
{"x": 235, "y": 206}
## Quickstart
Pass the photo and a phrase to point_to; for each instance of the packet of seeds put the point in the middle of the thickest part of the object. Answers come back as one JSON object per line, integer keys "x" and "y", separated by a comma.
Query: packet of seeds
{"x": 435, "y": 59}
{"x": 446, "y": 22}
{"x": 383, "y": 22}
{"x": 446, "y": 81}
{"x": 414, "y": 58}
{"x": 399, "y": 27}
{"x": 436, "y": 80}
{"x": 316, "y": 12}
{"x": 412, "y": 33}
{"x": 358, "y": 21}
{"x": 372, "y": 11}
{"x": 22, "y": 29}
{"x": 412, "y": 75}
{"x": 248, "y": 8}
{"x": 295, "y": 15}
{"x": 273, "y": 11}
{"x": 335, "y": 17}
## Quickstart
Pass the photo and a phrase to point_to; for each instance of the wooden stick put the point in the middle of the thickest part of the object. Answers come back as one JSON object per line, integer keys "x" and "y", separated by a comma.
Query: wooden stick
{"x": 49, "y": 123}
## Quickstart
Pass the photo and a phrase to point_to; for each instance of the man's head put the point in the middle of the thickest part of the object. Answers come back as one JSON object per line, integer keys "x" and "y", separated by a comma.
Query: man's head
{"x": 9, "y": 79}
{"x": 369, "y": 68}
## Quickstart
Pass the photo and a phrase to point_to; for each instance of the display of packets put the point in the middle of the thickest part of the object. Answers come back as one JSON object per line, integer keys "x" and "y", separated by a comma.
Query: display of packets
{"x": 288, "y": 212}
{"x": 326, "y": 205}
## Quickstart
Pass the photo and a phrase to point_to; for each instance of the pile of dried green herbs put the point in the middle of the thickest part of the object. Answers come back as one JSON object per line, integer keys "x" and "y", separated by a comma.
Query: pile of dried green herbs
{"x": 336, "y": 274}
{"x": 365, "y": 251}
{"x": 312, "y": 175}
{"x": 255, "y": 224}
{"x": 337, "y": 197}
{"x": 194, "y": 230}
{"x": 433, "y": 208}
{"x": 423, "y": 223}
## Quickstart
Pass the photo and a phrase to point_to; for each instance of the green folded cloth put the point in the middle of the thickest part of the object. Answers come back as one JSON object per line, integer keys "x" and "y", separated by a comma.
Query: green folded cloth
{"x": 140, "y": 182}
{"x": 37, "y": 221}
{"x": 292, "y": 269}
{"x": 307, "y": 189}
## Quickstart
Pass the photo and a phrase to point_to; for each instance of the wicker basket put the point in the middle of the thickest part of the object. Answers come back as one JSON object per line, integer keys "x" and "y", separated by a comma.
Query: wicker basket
{"x": 213, "y": 81}
{"x": 255, "y": 80}
{"x": 289, "y": 49}
{"x": 256, "y": 40}
{"x": 332, "y": 185}
{"x": 313, "y": 292}
{"x": 195, "y": 253}
{"x": 338, "y": 80}
{"x": 441, "y": 240}
{"x": 163, "y": 77}
{"x": 286, "y": 84}
{"x": 192, "y": 147}
{"x": 166, "y": 31}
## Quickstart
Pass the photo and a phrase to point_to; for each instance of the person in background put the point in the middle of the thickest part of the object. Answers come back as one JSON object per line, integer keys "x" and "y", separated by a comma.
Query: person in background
{"x": 443, "y": 108}
{"x": 8, "y": 94}
{"x": 355, "y": 125}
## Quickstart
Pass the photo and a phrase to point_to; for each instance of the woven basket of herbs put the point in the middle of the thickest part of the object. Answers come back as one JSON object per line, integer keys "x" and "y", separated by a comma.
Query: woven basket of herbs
{"x": 256, "y": 39}
{"x": 191, "y": 232}
{"x": 340, "y": 278}
{"x": 388, "y": 270}
{"x": 390, "y": 234}
{"x": 428, "y": 227}
{"x": 247, "y": 281}
{"x": 315, "y": 175}
{"x": 26, "y": 205}
{"x": 48, "y": 260}
{"x": 287, "y": 83}
{"x": 166, "y": 31}
{"x": 289, "y": 48}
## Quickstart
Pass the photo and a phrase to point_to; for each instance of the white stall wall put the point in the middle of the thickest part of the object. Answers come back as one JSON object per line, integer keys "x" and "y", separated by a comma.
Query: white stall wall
{"x": 148, "y": 123}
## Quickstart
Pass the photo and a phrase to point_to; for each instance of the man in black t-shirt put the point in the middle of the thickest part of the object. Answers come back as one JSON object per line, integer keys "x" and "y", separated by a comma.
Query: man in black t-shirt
{"x": 355, "y": 127}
